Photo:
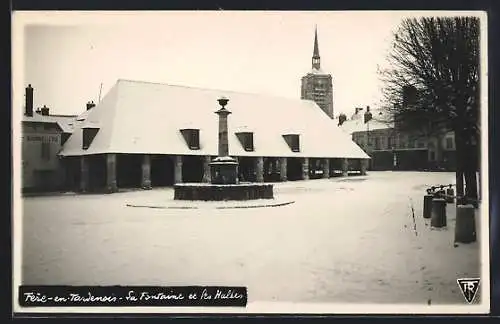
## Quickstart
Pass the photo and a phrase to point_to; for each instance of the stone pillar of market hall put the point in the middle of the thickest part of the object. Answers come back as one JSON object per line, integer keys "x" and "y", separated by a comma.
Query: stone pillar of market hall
{"x": 146, "y": 172}
{"x": 111, "y": 185}
{"x": 326, "y": 168}
{"x": 206, "y": 168}
{"x": 259, "y": 168}
{"x": 177, "y": 168}
{"x": 283, "y": 169}
{"x": 305, "y": 168}
{"x": 345, "y": 167}
{"x": 84, "y": 173}
{"x": 363, "y": 166}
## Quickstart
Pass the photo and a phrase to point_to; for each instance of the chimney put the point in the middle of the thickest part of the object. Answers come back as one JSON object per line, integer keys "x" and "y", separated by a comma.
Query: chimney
{"x": 29, "y": 101}
{"x": 368, "y": 115}
{"x": 342, "y": 119}
{"x": 90, "y": 105}
{"x": 45, "y": 110}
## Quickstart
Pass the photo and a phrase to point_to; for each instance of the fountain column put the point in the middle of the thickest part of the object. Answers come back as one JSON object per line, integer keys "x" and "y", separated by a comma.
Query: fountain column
{"x": 224, "y": 168}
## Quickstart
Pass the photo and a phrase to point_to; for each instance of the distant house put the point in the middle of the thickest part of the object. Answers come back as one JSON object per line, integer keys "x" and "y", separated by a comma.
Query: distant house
{"x": 393, "y": 149}
{"x": 148, "y": 134}
{"x": 43, "y": 136}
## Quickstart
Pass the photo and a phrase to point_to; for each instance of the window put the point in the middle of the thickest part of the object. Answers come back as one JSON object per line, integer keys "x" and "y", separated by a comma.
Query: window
{"x": 192, "y": 138}
{"x": 402, "y": 141}
{"x": 45, "y": 151}
{"x": 293, "y": 142}
{"x": 88, "y": 136}
{"x": 411, "y": 142}
{"x": 246, "y": 140}
{"x": 449, "y": 143}
{"x": 377, "y": 143}
{"x": 194, "y": 141}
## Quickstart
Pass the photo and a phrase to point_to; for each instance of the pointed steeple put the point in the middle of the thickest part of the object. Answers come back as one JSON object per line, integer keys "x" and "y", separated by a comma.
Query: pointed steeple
{"x": 315, "y": 57}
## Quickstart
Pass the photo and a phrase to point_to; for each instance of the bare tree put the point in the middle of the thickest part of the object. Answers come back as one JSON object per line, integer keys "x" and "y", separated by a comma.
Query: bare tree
{"x": 432, "y": 86}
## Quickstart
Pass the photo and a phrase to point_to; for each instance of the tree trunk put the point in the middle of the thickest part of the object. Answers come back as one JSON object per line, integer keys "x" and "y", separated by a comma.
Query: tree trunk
{"x": 467, "y": 165}
{"x": 459, "y": 185}
{"x": 471, "y": 175}
{"x": 471, "y": 187}
{"x": 460, "y": 158}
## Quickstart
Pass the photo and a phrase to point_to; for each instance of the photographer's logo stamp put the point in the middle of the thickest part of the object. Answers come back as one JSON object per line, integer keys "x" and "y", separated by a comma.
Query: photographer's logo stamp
{"x": 469, "y": 287}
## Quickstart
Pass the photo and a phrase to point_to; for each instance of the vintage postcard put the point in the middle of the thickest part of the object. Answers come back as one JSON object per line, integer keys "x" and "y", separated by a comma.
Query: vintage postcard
{"x": 329, "y": 162}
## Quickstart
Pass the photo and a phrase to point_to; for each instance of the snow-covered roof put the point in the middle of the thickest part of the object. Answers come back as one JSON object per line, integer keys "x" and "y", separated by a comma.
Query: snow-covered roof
{"x": 317, "y": 71}
{"x": 66, "y": 123}
{"x": 142, "y": 117}
{"x": 358, "y": 125}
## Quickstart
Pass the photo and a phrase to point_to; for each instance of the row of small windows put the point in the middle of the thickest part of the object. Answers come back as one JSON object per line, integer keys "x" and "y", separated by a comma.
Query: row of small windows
{"x": 400, "y": 142}
{"x": 192, "y": 138}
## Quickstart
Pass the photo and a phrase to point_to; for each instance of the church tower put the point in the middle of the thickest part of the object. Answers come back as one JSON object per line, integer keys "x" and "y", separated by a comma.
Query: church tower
{"x": 317, "y": 85}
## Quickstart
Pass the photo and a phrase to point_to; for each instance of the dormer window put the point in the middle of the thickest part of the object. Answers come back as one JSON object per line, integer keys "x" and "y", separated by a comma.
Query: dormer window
{"x": 192, "y": 138}
{"x": 88, "y": 136}
{"x": 293, "y": 141}
{"x": 246, "y": 140}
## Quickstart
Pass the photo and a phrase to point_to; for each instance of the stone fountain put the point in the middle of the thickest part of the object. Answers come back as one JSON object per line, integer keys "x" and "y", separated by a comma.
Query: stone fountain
{"x": 224, "y": 184}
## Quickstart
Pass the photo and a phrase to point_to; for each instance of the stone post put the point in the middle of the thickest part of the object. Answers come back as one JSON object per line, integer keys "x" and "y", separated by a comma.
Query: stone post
{"x": 283, "y": 169}
{"x": 305, "y": 169}
{"x": 206, "y": 168}
{"x": 259, "y": 168}
{"x": 111, "y": 185}
{"x": 438, "y": 217}
{"x": 146, "y": 172}
{"x": 84, "y": 173}
{"x": 428, "y": 206}
{"x": 345, "y": 167}
{"x": 178, "y": 169}
{"x": 326, "y": 168}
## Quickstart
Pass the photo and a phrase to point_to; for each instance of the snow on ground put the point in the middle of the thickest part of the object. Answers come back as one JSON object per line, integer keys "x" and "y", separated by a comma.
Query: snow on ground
{"x": 343, "y": 240}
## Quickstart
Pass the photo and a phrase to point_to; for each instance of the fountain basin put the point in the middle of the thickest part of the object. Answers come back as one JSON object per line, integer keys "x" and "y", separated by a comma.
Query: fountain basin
{"x": 218, "y": 192}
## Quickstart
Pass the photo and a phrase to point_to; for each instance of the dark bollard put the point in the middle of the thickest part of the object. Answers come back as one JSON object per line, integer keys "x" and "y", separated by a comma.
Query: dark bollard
{"x": 450, "y": 195}
{"x": 465, "y": 225}
{"x": 440, "y": 193}
{"x": 438, "y": 217}
{"x": 428, "y": 205}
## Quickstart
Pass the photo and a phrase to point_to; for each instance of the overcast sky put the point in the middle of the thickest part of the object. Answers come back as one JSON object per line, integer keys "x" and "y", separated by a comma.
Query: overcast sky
{"x": 68, "y": 56}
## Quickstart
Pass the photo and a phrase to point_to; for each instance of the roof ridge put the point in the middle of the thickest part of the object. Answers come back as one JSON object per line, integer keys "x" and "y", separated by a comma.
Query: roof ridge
{"x": 212, "y": 89}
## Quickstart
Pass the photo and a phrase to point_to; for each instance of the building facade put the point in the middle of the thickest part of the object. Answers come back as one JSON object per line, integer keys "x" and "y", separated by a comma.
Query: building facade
{"x": 393, "y": 149}
{"x": 43, "y": 136}
{"x": 318, "y": 85}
